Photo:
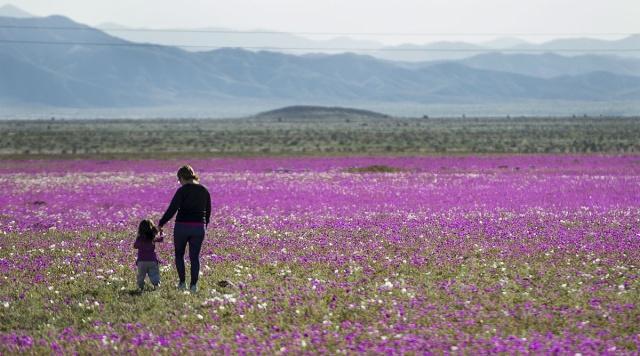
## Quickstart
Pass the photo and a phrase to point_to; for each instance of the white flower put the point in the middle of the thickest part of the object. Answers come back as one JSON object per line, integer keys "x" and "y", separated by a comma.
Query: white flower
{"x": 200, "y": 316}
{"x": 621, "y": 287}
{"x": 5, "y": 304}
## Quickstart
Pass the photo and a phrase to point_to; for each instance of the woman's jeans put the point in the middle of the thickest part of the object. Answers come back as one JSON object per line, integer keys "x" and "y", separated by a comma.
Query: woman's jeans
{"x": 192, "y": 234}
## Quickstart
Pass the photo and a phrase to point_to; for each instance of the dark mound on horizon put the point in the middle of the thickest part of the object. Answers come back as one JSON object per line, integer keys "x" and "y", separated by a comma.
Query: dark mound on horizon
{"x": 312, "y": 113}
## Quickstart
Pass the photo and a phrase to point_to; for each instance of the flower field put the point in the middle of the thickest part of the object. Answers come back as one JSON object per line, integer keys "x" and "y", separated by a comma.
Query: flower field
{"x": 516, "y": 254}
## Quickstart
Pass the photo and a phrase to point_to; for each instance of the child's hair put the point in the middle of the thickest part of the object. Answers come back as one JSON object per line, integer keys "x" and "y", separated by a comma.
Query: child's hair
{"x": 186, "y": 172}
{"x": 147, "y": 229}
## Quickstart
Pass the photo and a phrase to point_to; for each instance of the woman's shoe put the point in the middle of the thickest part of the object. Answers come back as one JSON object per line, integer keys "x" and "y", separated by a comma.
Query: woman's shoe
{"x": 182, "y": 286}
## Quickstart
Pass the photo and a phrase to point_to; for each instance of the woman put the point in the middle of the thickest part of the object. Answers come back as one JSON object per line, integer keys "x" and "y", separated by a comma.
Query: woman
{"x": 193, "y": 204}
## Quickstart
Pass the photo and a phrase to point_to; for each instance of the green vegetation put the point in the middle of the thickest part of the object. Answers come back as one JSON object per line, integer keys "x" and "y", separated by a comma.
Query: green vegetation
{"x": 278, "y": 136}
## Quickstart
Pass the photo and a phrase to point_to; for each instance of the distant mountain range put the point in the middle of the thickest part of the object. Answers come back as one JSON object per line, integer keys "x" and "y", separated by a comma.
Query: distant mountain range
{"x": 9, "y": 10}
{"x": 205, "y": 38}
{"x": 550, "y": 65}
{"x": 626, "y": 47}
{"x": 201, "y": 39}
{"x": 35, "y": 71}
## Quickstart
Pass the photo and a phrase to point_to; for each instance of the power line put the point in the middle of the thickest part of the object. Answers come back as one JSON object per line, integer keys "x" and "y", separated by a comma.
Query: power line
{"x": 277, "y": 48}
{"x": 222, "y": 31}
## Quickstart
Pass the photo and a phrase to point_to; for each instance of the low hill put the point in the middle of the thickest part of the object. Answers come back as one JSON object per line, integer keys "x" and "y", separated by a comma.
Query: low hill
{"x": 307, "y": 112}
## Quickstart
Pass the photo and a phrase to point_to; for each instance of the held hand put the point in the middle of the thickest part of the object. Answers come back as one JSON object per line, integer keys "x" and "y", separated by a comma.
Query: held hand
{"x": 160, "y": 237}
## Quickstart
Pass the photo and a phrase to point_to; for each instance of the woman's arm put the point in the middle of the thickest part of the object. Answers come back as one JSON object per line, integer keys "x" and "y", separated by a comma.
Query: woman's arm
{"x": 208, "y": 208}
{"x": 172, "y": 209}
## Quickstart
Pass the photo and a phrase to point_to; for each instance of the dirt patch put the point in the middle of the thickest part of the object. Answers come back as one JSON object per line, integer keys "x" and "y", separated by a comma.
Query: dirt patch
{"x": 375, "y": 169}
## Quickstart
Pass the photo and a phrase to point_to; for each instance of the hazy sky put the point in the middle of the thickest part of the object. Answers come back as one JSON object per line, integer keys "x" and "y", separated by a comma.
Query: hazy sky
{"x": 430, "y": 16}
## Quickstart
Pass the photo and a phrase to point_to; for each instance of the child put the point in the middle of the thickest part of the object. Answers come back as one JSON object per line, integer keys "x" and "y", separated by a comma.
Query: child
{"x": 147, "y": 261}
